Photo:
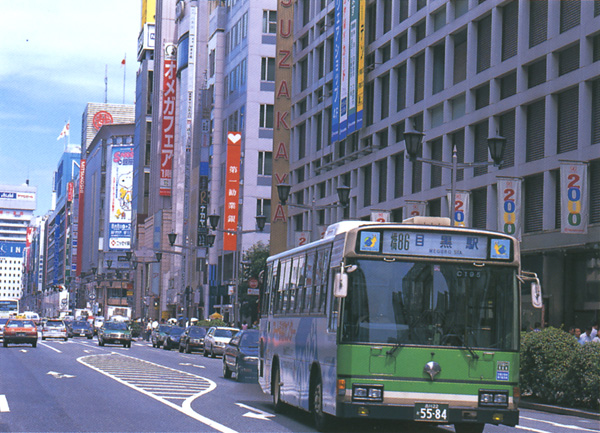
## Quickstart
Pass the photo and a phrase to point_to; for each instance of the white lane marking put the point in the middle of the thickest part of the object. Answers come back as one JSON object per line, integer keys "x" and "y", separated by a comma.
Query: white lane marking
{"x": 556, "y": 424}
{"x": 4, "y": 404}
{"x": 255, "y": 413}
{"x": 50, "y": 347}
{"x": 192, "y": 365}
{"x": 532, "y": 429}
{"x": 185, "y": 408}
{"x": 58, "y": 375}
{"x": 24, "y": 350}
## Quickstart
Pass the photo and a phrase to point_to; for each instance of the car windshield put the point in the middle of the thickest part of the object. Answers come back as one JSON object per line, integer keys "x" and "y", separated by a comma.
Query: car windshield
{"x": 115, "y": 326}
{"x": 176, "y": 330}
{"x": 51, "y": 324}
{"x": 431, "y": 304}
{"x": 249, "y": 339}
{"x": 224, "y": 333}
{"x": 197, "y": 332}
{"x": 81, "y": 325}
{"x": 164, "y": 328}
{"x": 20, "y": 324}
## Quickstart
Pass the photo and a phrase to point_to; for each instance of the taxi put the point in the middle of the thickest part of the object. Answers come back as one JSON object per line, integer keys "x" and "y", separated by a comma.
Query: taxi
{"x": 17, "y": 331}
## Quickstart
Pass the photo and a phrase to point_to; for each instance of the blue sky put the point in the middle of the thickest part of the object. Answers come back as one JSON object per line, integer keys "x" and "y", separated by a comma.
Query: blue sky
{"x": 53, "y": 58}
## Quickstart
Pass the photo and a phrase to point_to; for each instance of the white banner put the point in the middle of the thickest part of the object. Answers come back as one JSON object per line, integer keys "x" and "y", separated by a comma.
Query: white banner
{"x": 510, "y": 206}
{"x": 414, "y": 208}
{"x": 461, "y": 211}
{"x": 573, "y": 197}
{"x": 381, "y": 216}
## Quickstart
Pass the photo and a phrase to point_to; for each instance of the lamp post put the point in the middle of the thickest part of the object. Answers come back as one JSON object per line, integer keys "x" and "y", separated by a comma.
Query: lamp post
{"x": 413, "y": 141}
{"x": 134, "y": 264}
{"x": 213, "y": 221}
{"x": 343, "y": 192}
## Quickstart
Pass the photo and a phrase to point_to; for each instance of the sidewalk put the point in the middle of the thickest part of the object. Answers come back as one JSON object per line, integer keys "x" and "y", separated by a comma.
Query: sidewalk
{"x": 582, "y": 413}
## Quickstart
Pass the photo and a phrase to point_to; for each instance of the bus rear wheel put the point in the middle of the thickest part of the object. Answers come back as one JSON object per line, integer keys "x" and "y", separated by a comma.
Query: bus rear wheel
{"x": 469, "y": 427}
{"x": 322, "y": 420}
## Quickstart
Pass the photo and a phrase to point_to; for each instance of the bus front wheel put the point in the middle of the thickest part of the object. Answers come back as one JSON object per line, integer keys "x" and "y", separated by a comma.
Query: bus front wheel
{"x": 276, "y": 390}
{"x": 469, "y": 428}
{"x": 322, "y": 420}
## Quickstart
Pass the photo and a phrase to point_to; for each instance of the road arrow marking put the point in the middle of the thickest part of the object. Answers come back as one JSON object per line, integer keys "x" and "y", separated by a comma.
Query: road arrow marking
{"x": 256, "y": 413}
{"x": 191, "y": 365}
{"x": 4, "y": 404}
{"x": 24, "y": 350}
{"x": 57, "y": 375}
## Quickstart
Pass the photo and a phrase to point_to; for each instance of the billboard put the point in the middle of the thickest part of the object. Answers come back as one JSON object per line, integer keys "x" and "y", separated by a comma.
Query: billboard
{"x": 232, "y": 189}
{"x": 168, "y": 121}
{"x": 121, "y": 190}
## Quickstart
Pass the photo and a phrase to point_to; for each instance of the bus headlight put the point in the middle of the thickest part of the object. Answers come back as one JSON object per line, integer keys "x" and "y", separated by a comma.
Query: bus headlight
{"x": 367, "y": 393}
{"x": 494, "y": 398}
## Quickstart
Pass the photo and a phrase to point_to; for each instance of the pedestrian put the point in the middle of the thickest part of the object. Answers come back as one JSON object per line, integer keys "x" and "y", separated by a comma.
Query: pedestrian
{"x": 244, "y": 325}
{"x": 577, "y": 333}
{"x": 148, "y": 330}
{"x": 586, "y": 337}
{"x": 594, "y": 330}
{"x": 536, "y": 327}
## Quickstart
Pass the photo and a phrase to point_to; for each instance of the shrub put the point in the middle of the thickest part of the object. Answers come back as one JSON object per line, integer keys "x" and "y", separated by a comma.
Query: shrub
{"x": 555, "y": 368}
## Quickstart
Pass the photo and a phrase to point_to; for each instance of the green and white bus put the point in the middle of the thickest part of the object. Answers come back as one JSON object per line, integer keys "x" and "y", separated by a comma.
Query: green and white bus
{"x": 400, "y": 321}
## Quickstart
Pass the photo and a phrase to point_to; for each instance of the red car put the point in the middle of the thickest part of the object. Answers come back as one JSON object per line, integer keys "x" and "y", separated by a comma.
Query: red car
{"x": 20, "y": 331}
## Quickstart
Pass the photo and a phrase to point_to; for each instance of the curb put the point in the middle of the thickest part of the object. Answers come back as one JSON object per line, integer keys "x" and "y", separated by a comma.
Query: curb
{"x": 559, "y": 410}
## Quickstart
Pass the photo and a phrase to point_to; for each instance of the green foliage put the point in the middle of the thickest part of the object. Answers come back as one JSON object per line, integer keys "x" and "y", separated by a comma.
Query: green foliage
{"x": 136, "y": 328}
{"x": 213, "y": 322}
{"x": 555, "y": 368}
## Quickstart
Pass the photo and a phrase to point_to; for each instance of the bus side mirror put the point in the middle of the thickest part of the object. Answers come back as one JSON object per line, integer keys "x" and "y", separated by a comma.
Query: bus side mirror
{"x": 340, "y": 285}
{"x": 536, "y": 294}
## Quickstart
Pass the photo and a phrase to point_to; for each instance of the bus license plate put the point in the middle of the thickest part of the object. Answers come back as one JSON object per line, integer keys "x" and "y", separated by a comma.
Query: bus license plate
{"x": 431, "y": 412}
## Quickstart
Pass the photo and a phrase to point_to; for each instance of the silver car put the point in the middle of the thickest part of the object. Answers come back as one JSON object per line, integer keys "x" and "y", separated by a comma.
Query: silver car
{"x": 55, "y": 329}
{"x": 216, "y": 339}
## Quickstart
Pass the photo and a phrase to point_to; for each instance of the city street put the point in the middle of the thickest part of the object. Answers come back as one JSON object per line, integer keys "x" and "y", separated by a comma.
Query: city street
{"x": 77, "y": 386}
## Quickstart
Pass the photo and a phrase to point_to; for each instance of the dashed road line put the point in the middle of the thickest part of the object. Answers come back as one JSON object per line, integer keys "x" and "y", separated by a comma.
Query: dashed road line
{"x": 4, "y": 404}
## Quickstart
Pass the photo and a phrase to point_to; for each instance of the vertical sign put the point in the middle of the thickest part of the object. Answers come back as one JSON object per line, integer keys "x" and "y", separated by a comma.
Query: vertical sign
{"x": 573, "y": 197}
{"x": 81, "y": 213}
{"x": 168, "y": 120}
{"x": 337, "y": 64}
{"x": 281, "y": 127}
{"x": 509, "y": 206}
{"x": 414, "y": 208}
{"x": 232, "y": 188}
{"x": 381, "y": 216}
{"x": 70, "y": 191}
{"x": 460, "y": 208}
{"x": 361, "y": 64}
{"x": 352, "y": 65}
{"x": 121, "y": 190}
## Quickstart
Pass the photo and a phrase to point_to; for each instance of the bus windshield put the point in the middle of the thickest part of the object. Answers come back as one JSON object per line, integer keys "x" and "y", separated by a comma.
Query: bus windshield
{"x": 431, "y": 304}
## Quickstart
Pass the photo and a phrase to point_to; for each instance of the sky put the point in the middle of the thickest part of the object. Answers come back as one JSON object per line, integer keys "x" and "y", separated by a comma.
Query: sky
{"x": 54, "y": 56}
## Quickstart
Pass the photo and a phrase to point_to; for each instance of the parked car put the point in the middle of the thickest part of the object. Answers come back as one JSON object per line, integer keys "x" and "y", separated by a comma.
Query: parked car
{"x": 216, "y": 339}
{"x": 2, "y": 323}
{"x": 82, "y": 328}
{"x": 54, "y": 328}
{"x": 172, "y": 338}
{"x": 114, "y": 333}
{"x": 192, "y": 339}
{"x": 159, "y": 334}
{"x": 241, "y": 355}
{"x": 20, "y": 331}
{"x": 98, "y": 322}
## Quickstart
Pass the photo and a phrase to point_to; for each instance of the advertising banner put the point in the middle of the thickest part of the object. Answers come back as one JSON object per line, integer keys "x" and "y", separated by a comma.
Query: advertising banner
{"x": 573, "y": 197}
{"x": 168, "y": 121}
{"x": 414, "y": 208}
{"x": 460, "y": 210}
{"x": 510, "y": 206}
{"x": 80, "y": 212}
{"x": 12, "y": 249}
{"x": 381, "y": 216}
{"x": 121, "y": 190}
{"x": 232, "y": 188}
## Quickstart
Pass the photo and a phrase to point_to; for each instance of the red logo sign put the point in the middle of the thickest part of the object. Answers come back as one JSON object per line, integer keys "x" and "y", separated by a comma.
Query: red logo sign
{"x": 102, "y": 118}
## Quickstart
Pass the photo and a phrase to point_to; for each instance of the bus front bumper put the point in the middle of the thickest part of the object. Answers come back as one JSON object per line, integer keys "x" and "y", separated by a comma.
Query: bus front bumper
{"x": 406, "y": 413}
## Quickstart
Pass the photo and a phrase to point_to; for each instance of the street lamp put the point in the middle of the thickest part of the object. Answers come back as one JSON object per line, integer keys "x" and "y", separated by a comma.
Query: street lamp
{"x": 343, "y": 192}
{"x": 413, "y": 141}
{"x": 134, "y": 264}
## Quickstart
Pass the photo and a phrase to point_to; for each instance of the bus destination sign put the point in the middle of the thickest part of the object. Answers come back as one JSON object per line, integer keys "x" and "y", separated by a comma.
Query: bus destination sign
{"x": 434, "y": 244}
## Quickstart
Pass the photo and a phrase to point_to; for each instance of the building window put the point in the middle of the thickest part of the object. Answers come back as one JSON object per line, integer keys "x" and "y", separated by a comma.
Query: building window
{"x": 458, "y": 143}
{"x": 570, "y": 14}
{"x": 460, "y": 56}
{"x": 419, "y": 62}
{"x": 568, "y": 59}
{"x": 510, "y": 29}
{"x": 439, "y": 53}
{"x": 267, "y": 69}
{"x": 484, "y": 41}
{"x": 538, "y": 22}
{"x": 387, "y": 16}
{"x": 536, "y": 124}
{"x": 436, "y": 115}
{"x": 436, "y": 155}
{"x": 567, "y": 120}
{"x": 265, "y": 163}
{"x": 371, "y": 24}
{"x": 270, "y": 22}
{"x": 594, "y": 192}
{"x": 534, "y": 203}
{"x": 401, "y": 87}
{"x": 263, "y": 207}
{"x": 481, "y": 147}
{"x": 384, "y": 83}
{"x": 507, "y": 130}
{"x": 461, "y": 7}
{"x": 479, "y": 200}
{"x": 482, "y": 96}
{"x": 536, "y": 73}
{"x": 367, "y": 181}
{"x": 508, "y": 85}
{"x": 458, "y": 106}
{"x": 402, "y": 42}
{"x": 403, "y": 10}
{"x": 266, "y": 116}
{"x": 420, "y": 30}
{"x": 595, "y": 111}
{"x": 382, "y": 187}
{"x": 439, "y": 18}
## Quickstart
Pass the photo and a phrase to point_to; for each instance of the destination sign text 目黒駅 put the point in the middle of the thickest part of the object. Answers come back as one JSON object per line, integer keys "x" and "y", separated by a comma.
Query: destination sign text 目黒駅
{"x": 425, "y": 244}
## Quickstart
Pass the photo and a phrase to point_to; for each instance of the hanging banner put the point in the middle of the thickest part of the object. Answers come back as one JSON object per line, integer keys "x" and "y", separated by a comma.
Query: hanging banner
{"x": 460, "y": 213}
{"x": 167, "y": 143}
{"x": 232, "y": 188}
{"x": 121, "y": 191}
{"x": 414, "y": 208}
{"x": 573, "y": 197}
{"x": 80, "y": 215}
{"x": 510, "y": 206}
{"x": 381, "y": 216}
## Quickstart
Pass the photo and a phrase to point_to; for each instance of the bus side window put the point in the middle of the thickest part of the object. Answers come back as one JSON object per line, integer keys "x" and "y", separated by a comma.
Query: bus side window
{"x": 310, "y": 281}
{"x": 321, "y": 281}
{"x": 301, "y": 261}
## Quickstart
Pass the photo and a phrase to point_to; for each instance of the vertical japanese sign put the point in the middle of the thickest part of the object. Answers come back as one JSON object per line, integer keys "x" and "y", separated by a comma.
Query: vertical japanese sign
{"x": 573, "y": 197}
{"x": 232, "y": 189}
{"x": 281, "y": 127}
{"x": 460, "y": 208}
{"x": 168, "y": 121}
{"x": 509, "y": 206}
{"x": 81, "y": 213}
{"x": 414, "y": 208}
{"x": 121, "y": 190}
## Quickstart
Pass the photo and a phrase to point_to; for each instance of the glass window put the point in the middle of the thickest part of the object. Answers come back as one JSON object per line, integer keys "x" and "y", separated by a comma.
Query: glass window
{"x": 269, "y": 22}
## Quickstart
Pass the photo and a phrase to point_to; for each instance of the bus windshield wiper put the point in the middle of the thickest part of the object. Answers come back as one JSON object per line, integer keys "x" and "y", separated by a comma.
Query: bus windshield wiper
{"x": 393, "y": 349}
{"x": 471, "y": 351}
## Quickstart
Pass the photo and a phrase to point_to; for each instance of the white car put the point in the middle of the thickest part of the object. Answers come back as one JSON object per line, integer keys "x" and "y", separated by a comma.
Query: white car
{"x": 216, "y": 339}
